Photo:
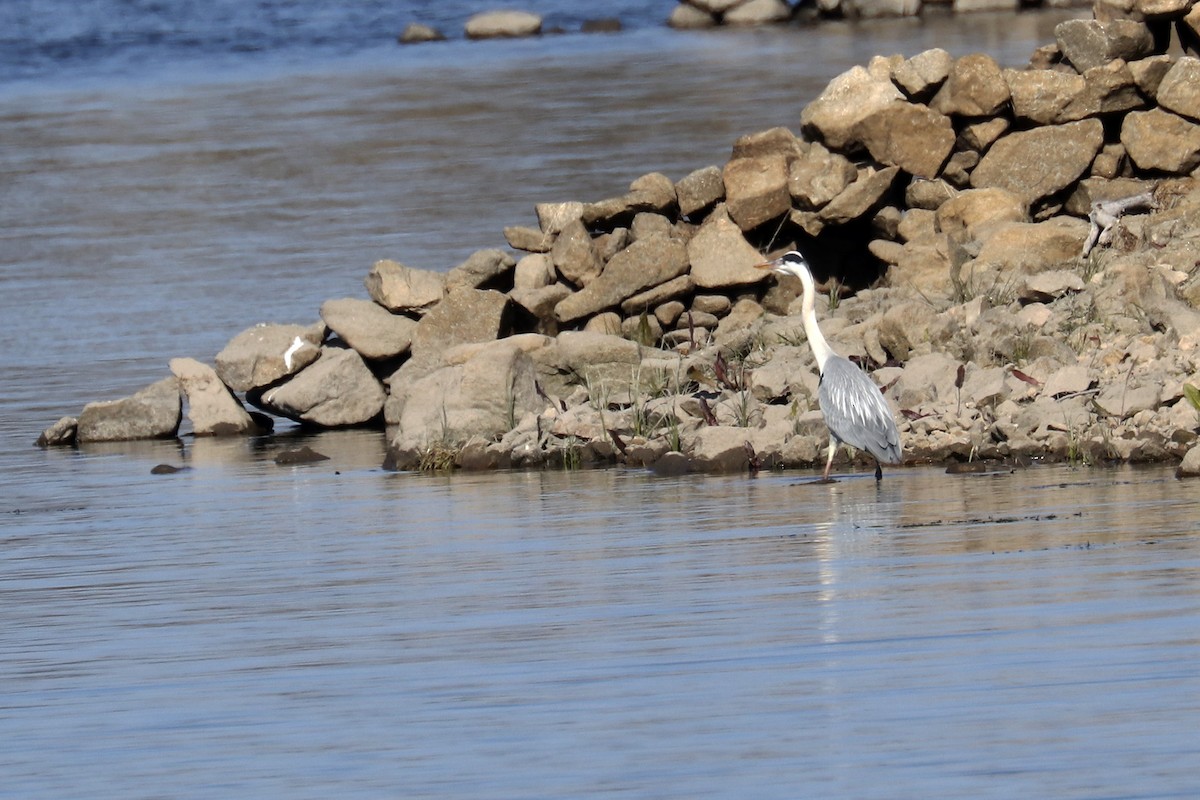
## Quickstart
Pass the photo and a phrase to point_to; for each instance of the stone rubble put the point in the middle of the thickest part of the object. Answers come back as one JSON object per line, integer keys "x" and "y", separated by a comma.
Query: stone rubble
{"x": 945, "y": 204}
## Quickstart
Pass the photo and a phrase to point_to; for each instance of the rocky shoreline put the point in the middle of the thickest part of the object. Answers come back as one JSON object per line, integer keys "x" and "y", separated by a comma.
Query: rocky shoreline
{"x": 1014, "y": 256}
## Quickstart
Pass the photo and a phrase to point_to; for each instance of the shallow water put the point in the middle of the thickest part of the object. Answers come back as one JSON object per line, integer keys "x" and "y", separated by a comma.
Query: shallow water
{"x": 244, "y": 629}
{"x": 337, "y": 629}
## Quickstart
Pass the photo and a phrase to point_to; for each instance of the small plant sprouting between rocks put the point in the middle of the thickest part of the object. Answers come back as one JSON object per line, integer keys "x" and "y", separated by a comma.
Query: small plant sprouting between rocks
{"x": 1192, "y": 394}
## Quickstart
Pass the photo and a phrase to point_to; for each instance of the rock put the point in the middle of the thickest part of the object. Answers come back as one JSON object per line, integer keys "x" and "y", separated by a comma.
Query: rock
{"x": 717, "y": 449}
{"x": 1149, "y": 72}
{"x": 910, "y": 136}
{"x": 925, "y": 379}
{"x": 922, "y": 75}
{"x": 533, "y": 271}
{"x": 757, "y": 12}
{"x": 531, "y": 240}
{"x": 483, "y": 395}
{"x": 1088, "y": 43}
{"x": 656, "y": 295}
{"x": 59, "y": 434}
{"x": 1161, "y": 9}
{"x": 335, "y": 392}
{"x": 973, "y": 211}
{"x": 685, "y": 17}
{"x": 975, "y": 87}
{"x": 574, "y": 255}
{"x": 400, "y": 288}
{"x": 541, "y": 302}
{"x": 967, "y": 6}
{"x": 1033, "y": 247}
{"x": 1160, "y": 140}
{"x": 741, "y": 316}
{"x": 756, "y": 190}
{"x": 875, "y": 9}
{"x": 1071, "y": 379}
{"x": 860, "y": 197}
{"x": 1122, "y": 401}
{"x": 212, "y": 408}
{"x": 903, "y": 327}
{"x": 643, "y": 264}
{"x": 415, "y": 33}
{"x": 928, "y": 195}
{"x": 483, "y": 269}
{"x": 299, "y": 455}
{"x": 608, "y": 322}
{"x": 1037, "y": 163}
{"x": 700, "y": 190}
{"x": 466, "y": 315}
{"x": 151, "y": 413}
{"x": 368, "y": 327}
{"x": 985, "y": 386}
{"x": 979, "y": 136}
{"x": 1045, "y": 97}
{"x": 1048, "y": 286}
{"x": 1179, "y": 90}
{"x": 653, "y": 192}
{"x": 503, "y": 24}
{"x": 1190, "y": 466}
{"x": 265, "y": 354}
{"x": 603, "y": 362}
{"x": 818, "y": 177}
{"x": 848, "y": 99}
{"x": 553, "y": 218}
{"x": 646, "y": 224}
{"x": 777, "y": 141}
{"x": 721, "y": 257}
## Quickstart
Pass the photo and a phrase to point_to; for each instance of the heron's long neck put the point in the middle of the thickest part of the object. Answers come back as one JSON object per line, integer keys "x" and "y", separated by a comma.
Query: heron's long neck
{"x": 816, "y": 339}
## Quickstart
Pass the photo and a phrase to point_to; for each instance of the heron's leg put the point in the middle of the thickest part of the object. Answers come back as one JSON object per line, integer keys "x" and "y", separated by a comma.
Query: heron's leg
{"x": 829, "y": 461}
{"x": 878, "y": 471}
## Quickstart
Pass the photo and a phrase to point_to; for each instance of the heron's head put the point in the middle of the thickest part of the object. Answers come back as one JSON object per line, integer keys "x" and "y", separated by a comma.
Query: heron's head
{"x": 790, "y": 263}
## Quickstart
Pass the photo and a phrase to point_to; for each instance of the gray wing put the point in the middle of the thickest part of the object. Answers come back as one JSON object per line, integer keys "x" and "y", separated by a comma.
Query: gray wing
{"x": 856, "y": 411}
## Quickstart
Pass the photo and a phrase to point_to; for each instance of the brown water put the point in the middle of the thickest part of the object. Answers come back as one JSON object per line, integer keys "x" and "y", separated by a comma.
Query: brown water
{"x": 242, "y": 629}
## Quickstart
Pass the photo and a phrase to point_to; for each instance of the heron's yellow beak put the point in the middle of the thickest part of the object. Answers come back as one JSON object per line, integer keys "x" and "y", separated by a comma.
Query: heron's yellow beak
{"x": 765, "y": 265}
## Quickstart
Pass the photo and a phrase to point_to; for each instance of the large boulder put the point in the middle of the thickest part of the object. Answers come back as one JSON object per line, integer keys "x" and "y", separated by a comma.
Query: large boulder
{"x": 368, "y": 327}
{"x": 864, "y": 194}
{"x": 975, "y": 87}
{"x": 480, "y": 390}
{"x": 1088, "y": 43}
{"x": 757, "y": 12}
{"x": 1179, "y": 90}
{"x": 1037, "y": 163}
{"x": 212, "y": 408}
{"x": 700, "y": 190}
{"x": 465, "y": 315}
{"x": 848, "y": 99}
{"x": 819, "y": 176}
{"x": 645, "y": 263}
{"x": 722, "y": 258}
{"x": 503, "y": 24}
{"x": 400, "y": 288}
{"x": 1160, "y": 140}
{"x": 923, "y": 74}
{"x": 337, "y": 391}
{"x": 151, "y": 413}
{"x": 483, "y": 269}
{"x": 969, "y": 213}
{"x": 266, "y": 354}
{"x": 910, "y": 136}
{"x": 575, "y": 255}
{"x": 756, "y": 189}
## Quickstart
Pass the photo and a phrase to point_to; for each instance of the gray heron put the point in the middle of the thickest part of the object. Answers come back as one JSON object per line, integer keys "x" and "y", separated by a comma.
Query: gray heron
{"x": 854, "y": 408}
